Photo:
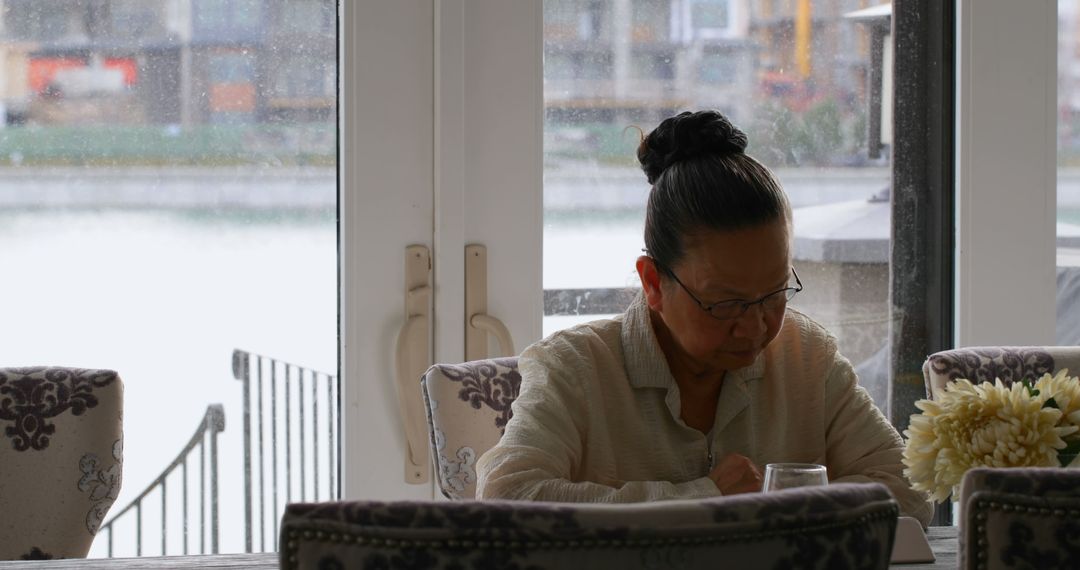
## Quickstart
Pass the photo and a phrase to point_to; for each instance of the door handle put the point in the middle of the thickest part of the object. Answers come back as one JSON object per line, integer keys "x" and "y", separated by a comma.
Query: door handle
{"x": 412, "y": 357}
{"x": 494, "y": 326}
{"x": 478, "y": 323}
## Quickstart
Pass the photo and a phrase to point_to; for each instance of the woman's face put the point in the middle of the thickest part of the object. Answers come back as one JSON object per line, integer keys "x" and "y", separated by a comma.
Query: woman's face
{"x": 744, "y": 264}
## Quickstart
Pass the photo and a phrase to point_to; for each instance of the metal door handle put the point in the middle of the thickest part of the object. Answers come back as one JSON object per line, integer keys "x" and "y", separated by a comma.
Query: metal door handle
{"x": 412, "y": 356}
{"x": 478, "y": 322}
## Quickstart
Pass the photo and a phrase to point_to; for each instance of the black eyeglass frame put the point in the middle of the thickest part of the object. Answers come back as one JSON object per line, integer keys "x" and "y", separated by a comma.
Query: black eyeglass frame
{"x": 745, "y": 305}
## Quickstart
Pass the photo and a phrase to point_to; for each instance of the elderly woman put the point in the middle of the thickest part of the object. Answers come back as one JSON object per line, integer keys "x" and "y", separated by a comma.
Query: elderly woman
{"x": 708, "y": 375}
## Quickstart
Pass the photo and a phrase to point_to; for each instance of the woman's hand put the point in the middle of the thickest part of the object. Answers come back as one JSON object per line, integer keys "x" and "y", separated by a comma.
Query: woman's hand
{"x": 736, "y": 474}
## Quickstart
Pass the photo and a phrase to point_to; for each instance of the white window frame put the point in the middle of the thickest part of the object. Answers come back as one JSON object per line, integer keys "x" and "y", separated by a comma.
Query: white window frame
{"x": 1006, "y": 172}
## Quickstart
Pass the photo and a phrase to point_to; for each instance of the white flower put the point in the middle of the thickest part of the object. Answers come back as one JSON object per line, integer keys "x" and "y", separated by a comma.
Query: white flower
{"x": 989, "y": 425}
{"x": 1065, "y": 390}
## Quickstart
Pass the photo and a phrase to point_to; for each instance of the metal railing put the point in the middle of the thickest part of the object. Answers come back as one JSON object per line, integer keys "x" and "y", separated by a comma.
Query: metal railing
{"x": 205, "y": 436}
{"x": 291, "y": 435}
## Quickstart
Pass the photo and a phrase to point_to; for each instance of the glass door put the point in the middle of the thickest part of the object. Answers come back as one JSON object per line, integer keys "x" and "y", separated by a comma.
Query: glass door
{"x": 169, "y": 209}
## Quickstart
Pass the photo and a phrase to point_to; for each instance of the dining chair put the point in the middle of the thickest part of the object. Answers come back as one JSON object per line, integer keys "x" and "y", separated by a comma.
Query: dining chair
{"x": 849, "y": 525}
{"x": 467, "y": 407}
{"x": 1020, "y": 518}
{"x": 987, "y": 363}
{"x": 61, "y": 455}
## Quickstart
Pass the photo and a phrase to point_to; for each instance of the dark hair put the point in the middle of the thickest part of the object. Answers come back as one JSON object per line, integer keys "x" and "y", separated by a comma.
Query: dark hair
{"x": 702, "y": 180}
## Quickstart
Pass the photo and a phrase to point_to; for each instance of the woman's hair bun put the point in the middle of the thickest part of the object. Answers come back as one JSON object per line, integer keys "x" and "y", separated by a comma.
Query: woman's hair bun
{"x": 688, "y": 135}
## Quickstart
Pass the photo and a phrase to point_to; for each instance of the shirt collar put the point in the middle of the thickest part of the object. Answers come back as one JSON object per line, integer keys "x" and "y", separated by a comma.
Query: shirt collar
{"x": 646, "y": 365}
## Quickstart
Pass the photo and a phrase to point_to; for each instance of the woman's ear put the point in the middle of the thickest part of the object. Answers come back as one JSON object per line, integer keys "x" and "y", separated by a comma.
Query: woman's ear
{"x": 650, "y": 282}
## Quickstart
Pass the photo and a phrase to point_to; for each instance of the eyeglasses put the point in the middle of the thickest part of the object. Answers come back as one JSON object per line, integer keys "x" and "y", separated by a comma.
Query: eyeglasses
{"x": 734, "y": 308}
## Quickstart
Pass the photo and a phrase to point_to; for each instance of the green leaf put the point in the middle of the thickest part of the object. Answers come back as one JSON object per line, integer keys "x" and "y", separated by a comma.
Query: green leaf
{"x": 1030, "y": 387}
{"x": 1067, "y": 455}
{"x": 1052, "y": 403}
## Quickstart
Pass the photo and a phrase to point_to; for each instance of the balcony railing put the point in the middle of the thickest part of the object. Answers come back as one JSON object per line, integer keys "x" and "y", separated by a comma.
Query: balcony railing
{"x": 291, "y": 437}
{"x": 205, "y": 439}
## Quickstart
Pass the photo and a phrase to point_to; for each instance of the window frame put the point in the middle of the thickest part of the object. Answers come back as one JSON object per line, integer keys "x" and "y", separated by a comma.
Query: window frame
{"x": 1006, "y": 172}
{"x": 923, "y": 191}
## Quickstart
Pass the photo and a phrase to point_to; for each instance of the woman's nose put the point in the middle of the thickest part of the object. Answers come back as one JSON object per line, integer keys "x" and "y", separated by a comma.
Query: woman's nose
{"x": 751, "y": 323}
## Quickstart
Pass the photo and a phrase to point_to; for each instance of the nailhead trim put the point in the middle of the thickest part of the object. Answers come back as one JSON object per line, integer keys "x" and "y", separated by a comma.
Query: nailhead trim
{"x": 981, "y": 516}
{"x": 294, "y": 537}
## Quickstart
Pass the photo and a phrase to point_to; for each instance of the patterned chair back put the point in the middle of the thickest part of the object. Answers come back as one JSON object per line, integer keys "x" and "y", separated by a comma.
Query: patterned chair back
{"x": 846, "y": 525}
{"x": 468, "y": 406}
{"x": 986, "y": 363}
{"x": 1020, "y": 518}
{"x": 60, "y": 459}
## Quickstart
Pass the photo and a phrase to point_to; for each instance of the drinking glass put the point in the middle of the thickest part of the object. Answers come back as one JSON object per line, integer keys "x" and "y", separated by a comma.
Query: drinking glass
{"x": 788, "y": 475}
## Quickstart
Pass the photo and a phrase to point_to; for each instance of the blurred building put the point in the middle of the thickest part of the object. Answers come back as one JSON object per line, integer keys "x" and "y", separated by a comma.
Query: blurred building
{"x": 229, "y": 61}
{"x": 168, "y": 61}
{"x": 642, "y": 59}
{"x": 809, "y": 50}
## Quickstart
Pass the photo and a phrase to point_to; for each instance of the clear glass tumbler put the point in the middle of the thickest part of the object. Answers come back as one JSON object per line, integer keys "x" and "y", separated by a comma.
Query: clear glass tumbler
{"x": 789, "y": 475}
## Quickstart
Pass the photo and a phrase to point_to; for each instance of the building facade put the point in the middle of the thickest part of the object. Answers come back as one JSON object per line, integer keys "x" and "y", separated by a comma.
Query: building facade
{"x": 169, "y": 61}
{"x": 260, "y": 61}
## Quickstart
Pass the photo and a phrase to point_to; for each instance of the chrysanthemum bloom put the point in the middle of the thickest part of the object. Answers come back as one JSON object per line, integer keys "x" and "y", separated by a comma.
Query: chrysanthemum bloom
{"x": 989, "y": 425}
{"x": 1065, "y": 390}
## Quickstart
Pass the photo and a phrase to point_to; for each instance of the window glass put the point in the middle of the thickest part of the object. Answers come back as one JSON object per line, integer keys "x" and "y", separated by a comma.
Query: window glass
{"x": 305, "y": 16}
{"x": 710, "y": 14}
{"x": 228, "y": 20}
{"x": 134, "y": 18}
{"x": 1068, "y": 175}
{"x": 23, "y": 21}
{"x": 652, "y": 21}
{"x": 804, "y": 99}
{"x": 651, "y": 65}
{"x": 168, "y": 210}
{"x": 302, "y": 76}
{"x": 717, "y": 70}
{"x": 210, "y": 14}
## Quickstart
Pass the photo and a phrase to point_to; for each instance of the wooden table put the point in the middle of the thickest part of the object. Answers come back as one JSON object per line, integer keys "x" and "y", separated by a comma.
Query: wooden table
{"x": 943, "y": 543}
{"x": 942, "y": 540}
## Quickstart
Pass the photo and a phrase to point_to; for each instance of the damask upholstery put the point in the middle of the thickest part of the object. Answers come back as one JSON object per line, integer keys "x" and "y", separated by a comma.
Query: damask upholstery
{"x": 60, "y": 459}
{"x": 987, "y": 363}
{"x": 468, "y": 406}
{"x": 1020, "y": 518}
{"x": 836, "y": 526}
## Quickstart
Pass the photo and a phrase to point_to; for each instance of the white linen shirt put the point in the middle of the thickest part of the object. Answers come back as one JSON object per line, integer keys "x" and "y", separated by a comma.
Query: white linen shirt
{"x": 598, "y": 419}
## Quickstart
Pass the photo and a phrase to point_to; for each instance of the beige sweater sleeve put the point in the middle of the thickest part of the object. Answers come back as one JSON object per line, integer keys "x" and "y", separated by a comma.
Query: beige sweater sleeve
{"x": 542, "y": 448}
{"x": 862, "y": 446}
